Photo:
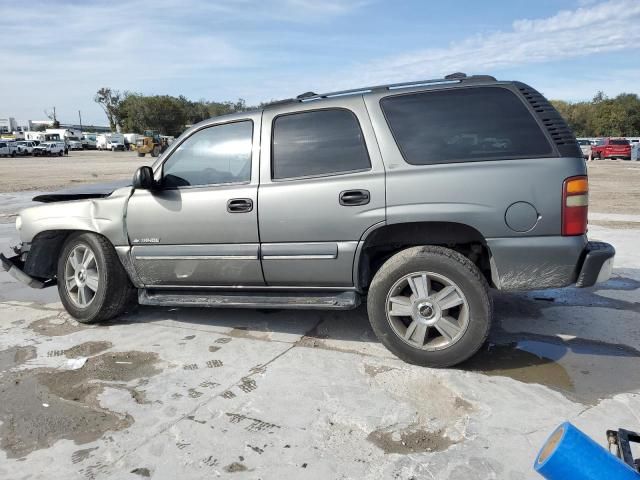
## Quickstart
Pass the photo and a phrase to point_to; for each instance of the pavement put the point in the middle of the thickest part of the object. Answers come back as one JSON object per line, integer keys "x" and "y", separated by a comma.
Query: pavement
{"x": 195, "y": 393}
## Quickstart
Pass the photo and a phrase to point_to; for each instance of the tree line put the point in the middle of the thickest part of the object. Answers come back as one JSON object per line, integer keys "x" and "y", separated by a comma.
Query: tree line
{"x": 168, "y": 115}
{"x": 134, "y": 112}
{"x": 603, "y": 116}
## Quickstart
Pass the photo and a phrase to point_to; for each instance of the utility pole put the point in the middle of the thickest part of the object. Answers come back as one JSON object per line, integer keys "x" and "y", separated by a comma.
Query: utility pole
{"x": 80, "y": 117}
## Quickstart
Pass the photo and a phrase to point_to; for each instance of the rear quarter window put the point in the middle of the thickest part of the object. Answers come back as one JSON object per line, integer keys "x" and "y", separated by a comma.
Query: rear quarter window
{"x": 463, "y": 125}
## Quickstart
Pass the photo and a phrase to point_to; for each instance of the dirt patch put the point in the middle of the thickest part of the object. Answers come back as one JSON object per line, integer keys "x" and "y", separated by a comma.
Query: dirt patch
{"x": 87, "y": 349}
{"x": 41, "y": 406}
{"x": 14, "y": 356}
{"x": 244, "y": 332}
{"x": 373, "y": 370}
{"x": 410, "y": 440}
{"x": 615, "y": 224}
{"x": 79, "y": 167}
{"x": 235, "y": 467}
{"x": 614, "y": 186}
{"x": 143, "y": 472}
{"x": 56, "y": 327}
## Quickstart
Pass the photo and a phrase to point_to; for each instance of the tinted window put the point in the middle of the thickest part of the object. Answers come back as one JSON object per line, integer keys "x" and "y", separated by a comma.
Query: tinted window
{"x": 619, "y": 142}
{"x": 461, "y": 125}
{"x": 213, "y": 155}
{"x": 317, "y": 143}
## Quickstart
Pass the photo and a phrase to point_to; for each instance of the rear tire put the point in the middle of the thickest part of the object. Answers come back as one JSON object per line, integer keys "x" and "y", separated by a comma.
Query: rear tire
{"x": 140, "y": 154}
{"x": 421, "y": 325}
{"x": 92, "y": 283}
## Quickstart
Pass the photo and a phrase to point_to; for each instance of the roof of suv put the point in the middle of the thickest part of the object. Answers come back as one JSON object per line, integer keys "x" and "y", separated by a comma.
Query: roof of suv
{"x": 452, "y": 79}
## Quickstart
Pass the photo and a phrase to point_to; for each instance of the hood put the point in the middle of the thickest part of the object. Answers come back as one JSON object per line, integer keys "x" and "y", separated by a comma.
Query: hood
{"x": 94, "y": 190}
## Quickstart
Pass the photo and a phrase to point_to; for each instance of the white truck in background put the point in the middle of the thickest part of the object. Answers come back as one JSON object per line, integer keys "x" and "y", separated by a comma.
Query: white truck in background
{"x": 110, "y": 141}
{"x": 89, "y": 141}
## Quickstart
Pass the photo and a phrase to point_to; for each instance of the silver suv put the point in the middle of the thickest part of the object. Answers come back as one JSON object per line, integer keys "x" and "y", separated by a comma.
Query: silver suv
{"x": 418, "y": 197}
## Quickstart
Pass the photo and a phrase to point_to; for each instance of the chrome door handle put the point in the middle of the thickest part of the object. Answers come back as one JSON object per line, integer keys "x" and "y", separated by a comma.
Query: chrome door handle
{"x": 239, "y": 205}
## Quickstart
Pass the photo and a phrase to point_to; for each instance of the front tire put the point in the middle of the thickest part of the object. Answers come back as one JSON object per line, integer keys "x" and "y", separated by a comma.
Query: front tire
{"x": 92, "y": 283}
{"x": 430, "y": 306}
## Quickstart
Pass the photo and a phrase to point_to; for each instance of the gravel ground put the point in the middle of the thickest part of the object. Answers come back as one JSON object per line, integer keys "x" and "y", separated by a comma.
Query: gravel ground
{"x": 195, "y": 393}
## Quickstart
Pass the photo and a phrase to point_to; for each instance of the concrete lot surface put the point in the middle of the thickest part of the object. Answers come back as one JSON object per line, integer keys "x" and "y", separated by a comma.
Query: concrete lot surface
{"x": 194, "y": 393}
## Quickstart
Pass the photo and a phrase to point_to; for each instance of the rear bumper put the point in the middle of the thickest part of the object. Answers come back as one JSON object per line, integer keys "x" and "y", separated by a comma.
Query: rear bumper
{"x": 13, "y": 266}
{"x": 597, "y": 264}
{"x": 533, "y": 263}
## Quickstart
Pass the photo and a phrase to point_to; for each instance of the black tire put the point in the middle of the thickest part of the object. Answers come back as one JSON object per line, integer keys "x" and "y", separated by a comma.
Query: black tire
{"x": 155, "y": 152}
{"x": 140, "y": 154}
{"x": 451, "y": 265}
{"x": 60, "y": 153}
{"x": 114, "y": 293}
{"x": 13, "y": 154}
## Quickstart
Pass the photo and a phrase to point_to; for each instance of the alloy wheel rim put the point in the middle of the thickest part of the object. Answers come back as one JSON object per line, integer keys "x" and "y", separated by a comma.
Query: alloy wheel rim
{"x": 427, "y": 311}
{"x": 81, "y": 276}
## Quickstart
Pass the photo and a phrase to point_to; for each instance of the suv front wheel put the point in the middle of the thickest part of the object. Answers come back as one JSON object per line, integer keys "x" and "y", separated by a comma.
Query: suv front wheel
{"x": 430, "y": 306}
{"x": 92, "y": 283}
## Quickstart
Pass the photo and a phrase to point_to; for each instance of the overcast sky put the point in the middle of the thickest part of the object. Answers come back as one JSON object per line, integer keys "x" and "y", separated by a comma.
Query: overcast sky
{"x": 60, "y": 52}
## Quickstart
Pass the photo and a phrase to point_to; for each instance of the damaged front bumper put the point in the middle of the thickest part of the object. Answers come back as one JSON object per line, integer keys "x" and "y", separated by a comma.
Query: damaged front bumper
{"x": 597, "y": 264}
{"x": 14, "y": 266}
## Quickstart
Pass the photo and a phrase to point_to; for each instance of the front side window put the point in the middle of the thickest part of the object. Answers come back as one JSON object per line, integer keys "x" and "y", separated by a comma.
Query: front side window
{"x": 319, "y": 142}
{"x": 214, "y": 155}
{"x": 463, "y": 125}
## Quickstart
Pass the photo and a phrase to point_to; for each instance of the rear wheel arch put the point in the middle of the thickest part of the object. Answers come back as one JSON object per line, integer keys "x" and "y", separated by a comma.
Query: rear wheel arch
{"x": 385, "y": 241}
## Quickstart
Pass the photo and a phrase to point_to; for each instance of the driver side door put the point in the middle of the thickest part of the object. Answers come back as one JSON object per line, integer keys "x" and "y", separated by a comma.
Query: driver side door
{"x": 200, "y": 227}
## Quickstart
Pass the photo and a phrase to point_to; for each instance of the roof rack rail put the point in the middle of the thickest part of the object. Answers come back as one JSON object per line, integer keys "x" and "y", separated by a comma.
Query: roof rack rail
{"x": 457, "y": 77}
{"x": 452, "y": 78}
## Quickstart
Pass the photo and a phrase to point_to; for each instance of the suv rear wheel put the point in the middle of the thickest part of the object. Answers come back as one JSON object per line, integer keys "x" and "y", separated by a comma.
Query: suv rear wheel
{"x": 430, "y": 306}
{"x": 92, "y": 283}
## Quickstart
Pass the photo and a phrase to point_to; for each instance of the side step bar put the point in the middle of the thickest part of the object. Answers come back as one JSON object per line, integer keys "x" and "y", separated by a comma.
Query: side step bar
{"x": 292, "y": 300}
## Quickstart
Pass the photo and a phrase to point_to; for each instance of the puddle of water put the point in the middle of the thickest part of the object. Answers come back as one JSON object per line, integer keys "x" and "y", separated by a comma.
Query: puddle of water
{"x": 40, "y": 406}
{"x": 582, "y": 370}
{"x": 87, "y": 349}
{"x": 410, "y": 440}
{"x": 14, "y": 356}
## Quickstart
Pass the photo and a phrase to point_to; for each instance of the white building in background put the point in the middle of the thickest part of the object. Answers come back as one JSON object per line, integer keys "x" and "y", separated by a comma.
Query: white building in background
{"x": 8, "y": 125}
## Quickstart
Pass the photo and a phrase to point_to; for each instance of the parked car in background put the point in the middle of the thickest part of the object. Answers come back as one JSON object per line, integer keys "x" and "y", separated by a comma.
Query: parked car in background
{"x": 25, "y": 147}
{"x": 110, "y": 141}
{"x": 75, "y": 145}
{"x": 89, "y": 141}
{"x": 585, "y": 147}
{"x": 49, "y": 149}
{"x": 612, "y": 148}
{"x": 5, "y": 151}
{"x": 13, "y": 147}
{"x": 425, "y": 195}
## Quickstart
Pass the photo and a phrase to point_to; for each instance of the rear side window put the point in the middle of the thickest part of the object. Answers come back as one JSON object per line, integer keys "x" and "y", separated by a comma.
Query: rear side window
{"x": 463, "y": 125}
{"x": 319, "y": 142}
{"x": 619, "y": 142}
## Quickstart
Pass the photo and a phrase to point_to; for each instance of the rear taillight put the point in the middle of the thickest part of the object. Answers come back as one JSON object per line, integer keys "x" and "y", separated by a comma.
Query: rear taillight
{"x": 575, "y": 205}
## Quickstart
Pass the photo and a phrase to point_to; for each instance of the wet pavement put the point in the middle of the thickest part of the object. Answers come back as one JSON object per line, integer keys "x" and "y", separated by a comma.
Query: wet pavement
{"x": 193, "y": 393}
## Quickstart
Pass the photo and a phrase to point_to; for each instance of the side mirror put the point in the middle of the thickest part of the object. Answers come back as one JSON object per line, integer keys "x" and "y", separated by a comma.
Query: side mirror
{"x": 143, "y": 179}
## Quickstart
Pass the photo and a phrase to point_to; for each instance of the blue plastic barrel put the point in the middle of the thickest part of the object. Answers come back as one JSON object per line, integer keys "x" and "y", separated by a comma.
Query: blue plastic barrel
{"x": 570, "y": 454}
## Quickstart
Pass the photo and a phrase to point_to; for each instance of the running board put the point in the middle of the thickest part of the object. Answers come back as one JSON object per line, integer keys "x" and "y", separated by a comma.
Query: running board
{"x": 293, "y": 300}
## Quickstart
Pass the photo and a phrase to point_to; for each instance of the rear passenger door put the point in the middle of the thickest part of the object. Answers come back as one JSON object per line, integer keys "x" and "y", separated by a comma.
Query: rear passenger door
{"x": 321, "y": 187}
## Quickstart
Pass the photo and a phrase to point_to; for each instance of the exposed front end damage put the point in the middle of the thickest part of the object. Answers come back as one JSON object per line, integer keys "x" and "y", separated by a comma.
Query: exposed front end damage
{"x": 14, "y": 266}
{"x": 43, "y": 230}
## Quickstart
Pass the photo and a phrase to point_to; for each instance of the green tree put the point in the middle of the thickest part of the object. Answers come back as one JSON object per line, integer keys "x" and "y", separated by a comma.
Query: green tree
{"x": 109, "y": 100}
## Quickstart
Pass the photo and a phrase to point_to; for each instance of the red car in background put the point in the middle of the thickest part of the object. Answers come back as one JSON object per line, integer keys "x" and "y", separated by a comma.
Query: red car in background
{"x": 612, "y": 148}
